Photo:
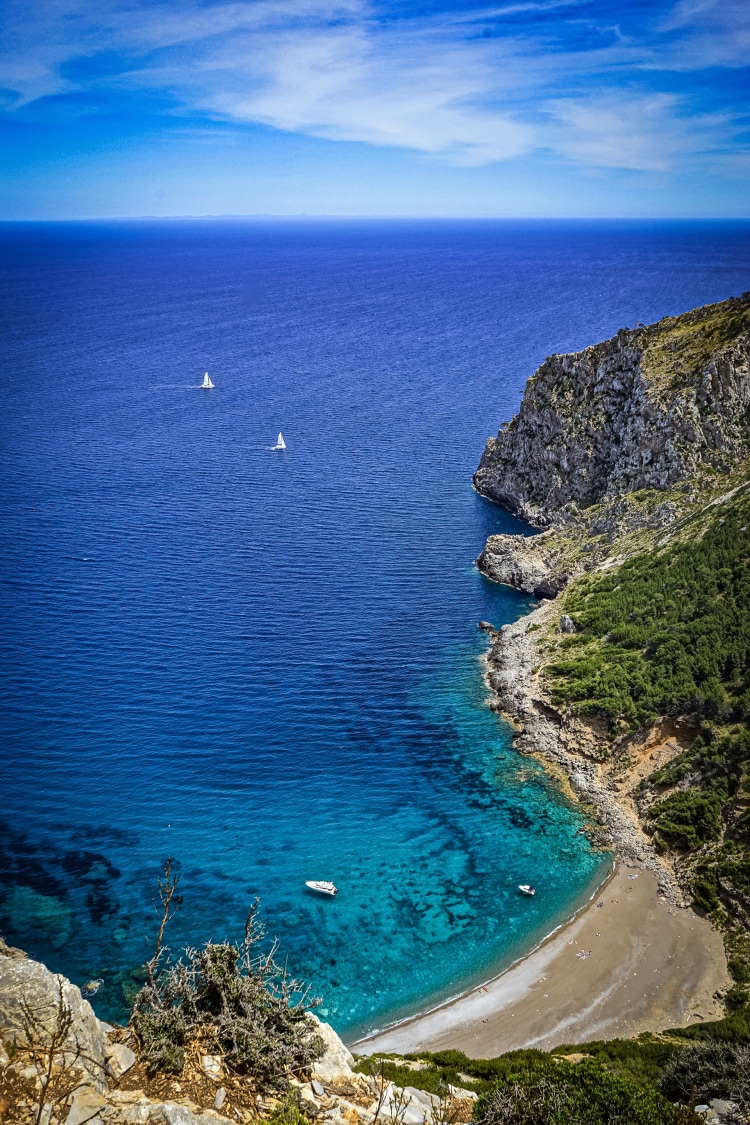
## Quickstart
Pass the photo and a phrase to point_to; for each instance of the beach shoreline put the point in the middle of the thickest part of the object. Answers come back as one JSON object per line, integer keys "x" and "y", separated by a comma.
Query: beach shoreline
{"x": 635, "y": 963}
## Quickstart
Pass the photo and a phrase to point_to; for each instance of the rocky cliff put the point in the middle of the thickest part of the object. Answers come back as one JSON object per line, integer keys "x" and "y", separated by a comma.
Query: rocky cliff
{"x": 656, "y": 407}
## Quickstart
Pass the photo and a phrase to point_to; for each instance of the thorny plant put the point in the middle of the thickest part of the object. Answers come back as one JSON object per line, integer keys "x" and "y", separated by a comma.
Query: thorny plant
{"x": 46, "y": 1036}
{"x": 237, "y": 1000}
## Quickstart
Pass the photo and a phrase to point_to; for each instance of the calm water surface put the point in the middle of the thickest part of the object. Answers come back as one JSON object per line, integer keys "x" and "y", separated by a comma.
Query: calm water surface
{"x": 268, "y": 665}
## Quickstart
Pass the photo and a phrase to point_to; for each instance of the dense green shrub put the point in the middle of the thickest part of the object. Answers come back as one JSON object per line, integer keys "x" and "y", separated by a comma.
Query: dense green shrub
{"x": 710, "y": 1069}
{"x": 664, "y": 634}
{"x": 585, "y": 1093}
{"x": 689, "y": 818}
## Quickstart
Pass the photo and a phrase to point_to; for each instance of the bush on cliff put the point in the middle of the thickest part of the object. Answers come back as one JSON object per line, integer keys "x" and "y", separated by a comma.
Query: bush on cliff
{"x": 711, "y": 1069}
{"x": 546, "y": 1092}
{"x": 230, "y": 999}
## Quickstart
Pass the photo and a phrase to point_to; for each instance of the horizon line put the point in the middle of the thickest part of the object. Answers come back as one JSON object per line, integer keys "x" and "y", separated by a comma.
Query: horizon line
{"x": 322, "y": 215}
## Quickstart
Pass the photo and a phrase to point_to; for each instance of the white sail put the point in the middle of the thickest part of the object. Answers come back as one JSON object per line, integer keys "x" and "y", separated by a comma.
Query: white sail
{"x": 280, "y": 444}
{"x": 206, "y": 384}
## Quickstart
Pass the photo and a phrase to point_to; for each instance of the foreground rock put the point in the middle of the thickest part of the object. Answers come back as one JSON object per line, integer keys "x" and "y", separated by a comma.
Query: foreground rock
{"x": 97, "y": 1076}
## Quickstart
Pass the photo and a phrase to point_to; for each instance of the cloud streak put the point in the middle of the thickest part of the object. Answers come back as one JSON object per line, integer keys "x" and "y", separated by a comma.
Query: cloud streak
{"x": 468, "y": 86}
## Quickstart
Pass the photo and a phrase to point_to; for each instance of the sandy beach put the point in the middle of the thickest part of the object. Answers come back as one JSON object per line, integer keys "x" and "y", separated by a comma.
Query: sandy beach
{"x": 635, "y": 963}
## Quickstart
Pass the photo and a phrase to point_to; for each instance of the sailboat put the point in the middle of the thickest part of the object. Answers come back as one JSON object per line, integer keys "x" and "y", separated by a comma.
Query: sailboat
{"x": 280, "y": 443}
{"x": 207, "y": 385}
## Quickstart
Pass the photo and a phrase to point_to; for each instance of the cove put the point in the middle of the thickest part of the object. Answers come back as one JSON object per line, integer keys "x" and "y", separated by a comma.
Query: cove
{"x": 267, "y": 665}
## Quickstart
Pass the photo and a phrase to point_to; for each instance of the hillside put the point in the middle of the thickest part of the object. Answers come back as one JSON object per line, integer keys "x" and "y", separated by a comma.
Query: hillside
{"x": 633, "y": 455}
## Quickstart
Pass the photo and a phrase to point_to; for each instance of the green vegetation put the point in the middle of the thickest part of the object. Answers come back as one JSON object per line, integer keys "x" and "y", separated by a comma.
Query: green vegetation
{"x": 664, "y": 634}
{"x": 667, "y": 634}
{"x": 678, "y": 348}
{"x": 606, "y": 1082}
{"x": 558, "y": 1093}
{"x": 619, "y": 1082}
{"x": 288, "y": 1111}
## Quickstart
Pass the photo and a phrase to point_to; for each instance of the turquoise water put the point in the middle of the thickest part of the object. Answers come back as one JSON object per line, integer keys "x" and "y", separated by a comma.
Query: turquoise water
{"x": 268, "y": 666}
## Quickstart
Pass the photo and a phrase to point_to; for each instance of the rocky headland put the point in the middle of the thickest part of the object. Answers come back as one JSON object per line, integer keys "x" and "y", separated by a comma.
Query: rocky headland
{"x": 632, "y": 450}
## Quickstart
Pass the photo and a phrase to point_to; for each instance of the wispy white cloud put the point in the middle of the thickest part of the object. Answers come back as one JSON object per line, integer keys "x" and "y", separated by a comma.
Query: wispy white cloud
{"x": 348, "y": 70}
{"x": 644, "y": 133}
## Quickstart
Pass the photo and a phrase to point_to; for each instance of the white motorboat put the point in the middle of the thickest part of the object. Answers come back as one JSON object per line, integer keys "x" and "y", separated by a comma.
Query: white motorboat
{"x": 525, "y": 889}
{"x": 206, "y": 385}
{"x": 280, "y": 443}
{"x": 321, "y": 886}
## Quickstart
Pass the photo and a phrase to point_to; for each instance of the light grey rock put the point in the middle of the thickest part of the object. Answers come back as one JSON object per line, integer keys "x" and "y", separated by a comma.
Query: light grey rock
{"x": 221, "y": 1097}
{"x": 308, "y": 1101}
{"x": 421, "y": 1097}
{"x": 567, "y": 624}
{"x": 212, "y": 1067}
{"x": 523, "y": 562}
{"x": 120, "y": 1059}
{"x": 337, "y": 1061}
{"x": 86, "y": 1104}
{"x": 24, "y": 979}
{"x": 317, "y": 1088}
{"x": 461, "y": 1094}
{"x": 123, "y": 1108}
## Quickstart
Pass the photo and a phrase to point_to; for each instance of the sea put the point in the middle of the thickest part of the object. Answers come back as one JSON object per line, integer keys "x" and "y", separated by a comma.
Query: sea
{"x": 263, "y": 664}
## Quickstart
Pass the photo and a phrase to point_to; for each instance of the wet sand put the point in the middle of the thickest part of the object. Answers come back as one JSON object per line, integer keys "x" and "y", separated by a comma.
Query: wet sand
{"x": 648, "y": 965}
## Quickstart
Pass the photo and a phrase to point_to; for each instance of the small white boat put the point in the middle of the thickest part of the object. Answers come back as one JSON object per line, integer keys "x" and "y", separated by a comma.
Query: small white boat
{"x": 525, "y": 889}
{"x": 322, "y": 886}
{"x": 206, "y": 385}
{"x": 280, "y": 443}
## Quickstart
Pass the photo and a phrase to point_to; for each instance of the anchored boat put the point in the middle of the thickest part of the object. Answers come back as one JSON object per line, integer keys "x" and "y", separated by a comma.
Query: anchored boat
{"x": 320, "y": 885}
{"x": 525, "y": 889}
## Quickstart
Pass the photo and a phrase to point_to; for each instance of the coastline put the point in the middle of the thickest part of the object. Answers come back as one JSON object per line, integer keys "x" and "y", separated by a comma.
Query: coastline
{"x": 651, "y": 962}
{"x": 649, "y": 965}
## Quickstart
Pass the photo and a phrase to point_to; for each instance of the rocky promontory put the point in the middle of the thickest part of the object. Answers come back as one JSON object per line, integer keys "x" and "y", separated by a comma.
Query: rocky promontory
{"x": 655, "y": 407}
{"x": 60, "y": 1065}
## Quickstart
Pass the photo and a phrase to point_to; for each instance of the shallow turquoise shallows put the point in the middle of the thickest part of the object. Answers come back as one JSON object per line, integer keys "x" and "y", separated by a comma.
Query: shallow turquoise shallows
{"x": 267, "y": 664}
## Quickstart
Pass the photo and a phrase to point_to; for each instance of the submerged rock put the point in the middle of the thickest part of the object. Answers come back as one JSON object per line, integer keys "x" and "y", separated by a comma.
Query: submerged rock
{"x": 47, "y": 916}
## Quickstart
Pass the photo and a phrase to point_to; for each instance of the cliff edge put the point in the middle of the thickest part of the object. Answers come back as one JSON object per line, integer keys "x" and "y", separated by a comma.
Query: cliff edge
{"x": 655, "y": 407}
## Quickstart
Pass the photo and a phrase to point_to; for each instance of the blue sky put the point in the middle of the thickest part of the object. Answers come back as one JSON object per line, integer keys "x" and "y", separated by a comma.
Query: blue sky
{"x": 359, "y": 107}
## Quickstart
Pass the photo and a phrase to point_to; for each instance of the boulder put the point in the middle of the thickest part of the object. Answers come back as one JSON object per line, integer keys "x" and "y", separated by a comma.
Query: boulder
{"x": 523, "y": 562}
{"x": 22, "y": 979}
{"x": 336, "y": 1062}
{"x": 85, "y": 1105}
{"x": 120, "y": 1059}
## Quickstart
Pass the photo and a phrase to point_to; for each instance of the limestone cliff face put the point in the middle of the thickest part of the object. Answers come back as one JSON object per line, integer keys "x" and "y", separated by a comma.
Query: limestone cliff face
{"x": 651, "y": 408}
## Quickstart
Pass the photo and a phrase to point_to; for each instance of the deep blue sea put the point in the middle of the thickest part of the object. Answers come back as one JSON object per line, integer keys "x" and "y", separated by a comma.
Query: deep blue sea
{"x": 266, "y": 664}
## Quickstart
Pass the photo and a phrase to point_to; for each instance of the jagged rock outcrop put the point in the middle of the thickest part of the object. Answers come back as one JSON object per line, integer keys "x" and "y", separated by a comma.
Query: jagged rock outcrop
{"x": 29, "y": 990}
{"x": 649, "y": 409}
{"x": 522, "y": 562}
{"x": 547, "y": 735}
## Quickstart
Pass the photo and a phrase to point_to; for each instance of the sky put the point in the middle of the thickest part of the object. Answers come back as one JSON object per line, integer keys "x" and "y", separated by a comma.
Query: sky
{"x": 526, "y": 108}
